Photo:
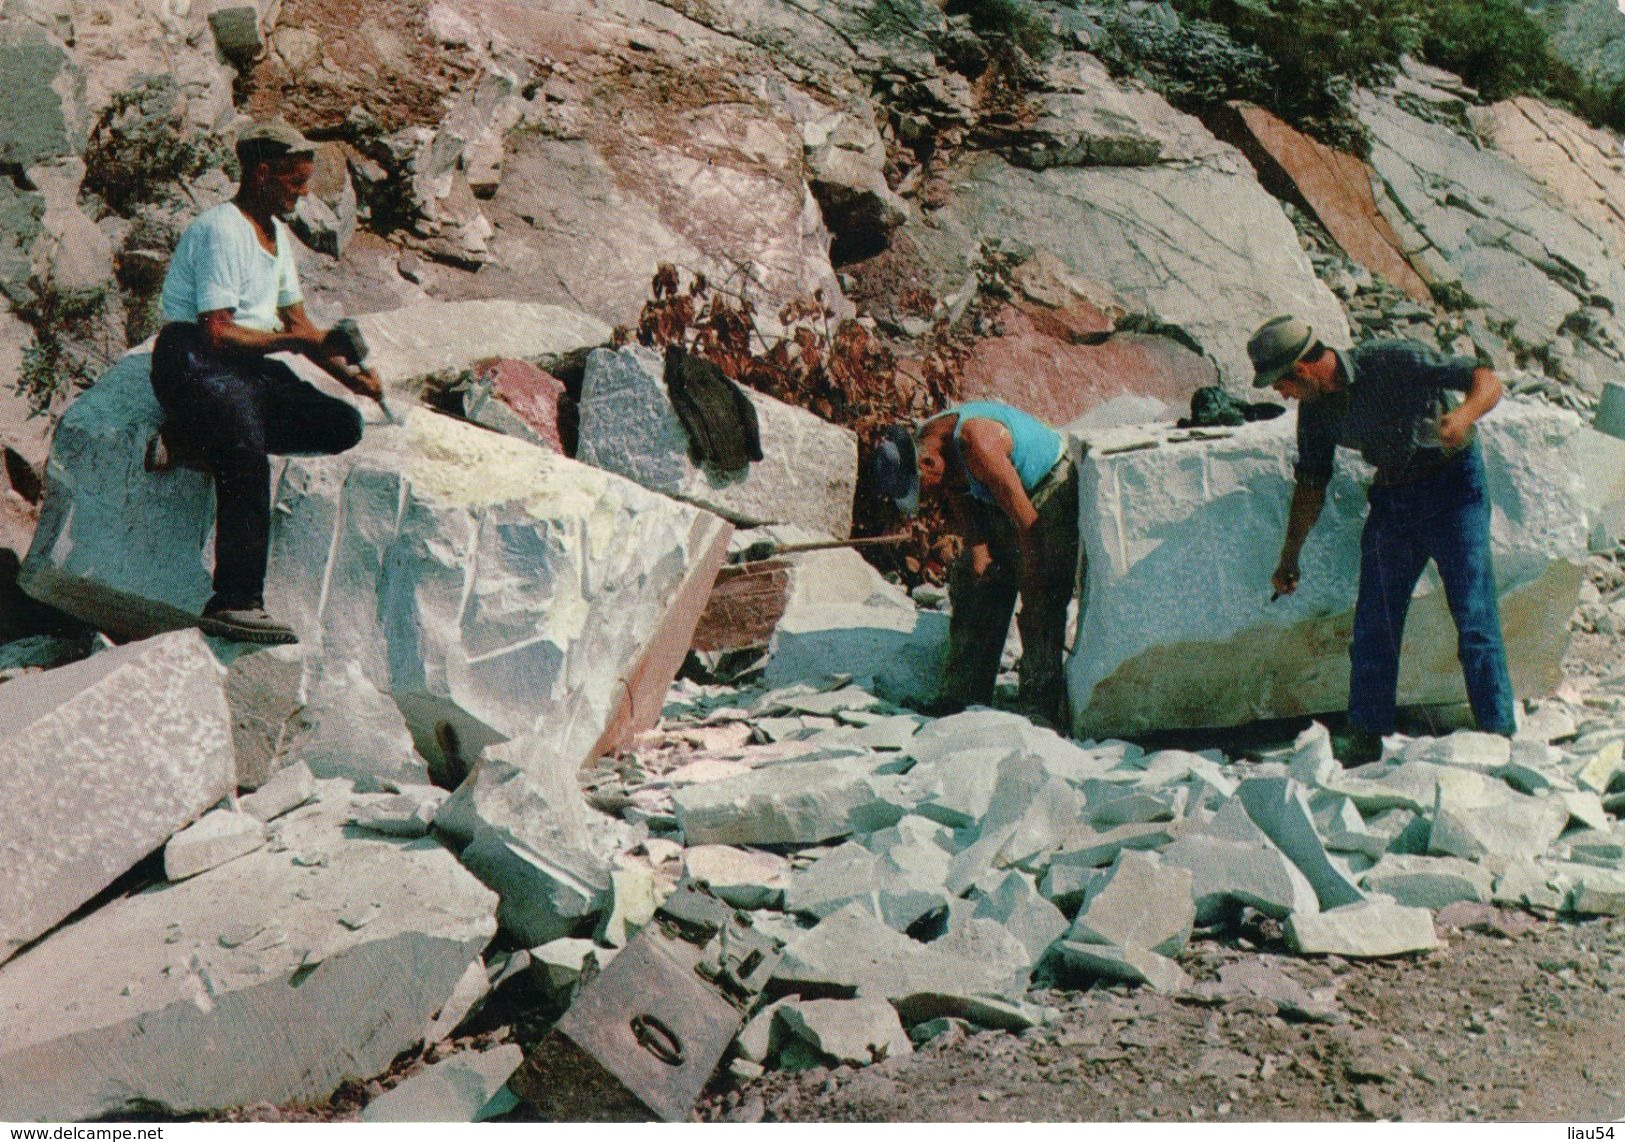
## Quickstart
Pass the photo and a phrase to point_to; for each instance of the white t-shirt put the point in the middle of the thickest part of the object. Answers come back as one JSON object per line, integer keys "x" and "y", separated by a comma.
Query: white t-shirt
{"x": 220, "y": 264}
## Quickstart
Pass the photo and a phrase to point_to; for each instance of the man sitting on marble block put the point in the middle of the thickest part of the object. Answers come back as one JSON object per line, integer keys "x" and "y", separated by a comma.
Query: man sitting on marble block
{"x": 231, "y": 298}
{"x": 1012, "y": 492}
{"x": 1391, "y": 402}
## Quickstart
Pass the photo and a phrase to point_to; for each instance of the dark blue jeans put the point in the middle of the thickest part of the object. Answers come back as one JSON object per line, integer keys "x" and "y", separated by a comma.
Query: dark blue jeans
{"x": 235, "y": 411}
{"x": 1444, "y": 517}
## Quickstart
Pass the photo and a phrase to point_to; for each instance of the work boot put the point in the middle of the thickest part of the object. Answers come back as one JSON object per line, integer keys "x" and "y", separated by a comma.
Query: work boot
{"x": 245, "y": 624}
{"x": 1355, "y": 747}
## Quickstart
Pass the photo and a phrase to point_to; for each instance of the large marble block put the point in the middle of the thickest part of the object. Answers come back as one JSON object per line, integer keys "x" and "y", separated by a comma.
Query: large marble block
{"x": 807, "y": 475}
{"x": 273, "y": 978}
{"x": 100, "y": 762}
{"x": 436, "y": 340}
{"x": 1182, "y": 530}
{"x": 449, "y": 585}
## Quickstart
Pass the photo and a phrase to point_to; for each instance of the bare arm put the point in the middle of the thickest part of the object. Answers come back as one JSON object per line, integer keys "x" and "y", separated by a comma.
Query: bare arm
{"x": 225, "y": 336}
{"x": 986, "y": 446}
{"x": 1483, "y": 393}
{"x": 1307, "y": 500}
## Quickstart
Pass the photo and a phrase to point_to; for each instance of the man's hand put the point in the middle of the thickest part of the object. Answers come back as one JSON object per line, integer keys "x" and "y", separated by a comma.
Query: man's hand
{"x": 1454, "y": 428}
{"x": 981, "y": 560}
{"x": 1285, "y": 579}
{"x": 1483, "y": 393}
{"x": 366, "y": 383}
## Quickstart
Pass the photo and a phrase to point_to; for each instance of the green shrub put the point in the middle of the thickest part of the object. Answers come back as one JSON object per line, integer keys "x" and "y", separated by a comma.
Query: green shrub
{"x": 1321, "y": 49}
{"x": 1192, "y": 64}
{"x": 1492, "y": 44}
{"x": 1599, "y": 102}
{"x": 138, "y": 150}
{"x": 1452, "y": 297}
{"x": 1015, "y": 20}
{"x": 51, "y": 367}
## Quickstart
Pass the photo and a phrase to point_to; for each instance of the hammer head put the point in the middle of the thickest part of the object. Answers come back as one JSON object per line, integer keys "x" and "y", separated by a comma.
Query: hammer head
{"x": 353, "y": 346}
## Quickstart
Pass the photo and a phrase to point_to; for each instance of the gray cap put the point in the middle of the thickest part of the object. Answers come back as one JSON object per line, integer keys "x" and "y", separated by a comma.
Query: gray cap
{"x": 278, "y": 137}
{"x": 1279, "y": 344}
{"x": 895, "y": 469}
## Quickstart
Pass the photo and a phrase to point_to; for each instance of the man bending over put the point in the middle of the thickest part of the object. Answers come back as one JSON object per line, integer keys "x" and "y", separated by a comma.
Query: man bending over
{"x": 1395, "y": 403}
{"x": 1011, "y": 490}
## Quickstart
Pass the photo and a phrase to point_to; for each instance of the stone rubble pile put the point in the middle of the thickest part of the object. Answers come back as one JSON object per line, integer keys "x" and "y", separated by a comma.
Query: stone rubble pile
{"x": 318, "y": 956}
{"x": 952, "y": 864}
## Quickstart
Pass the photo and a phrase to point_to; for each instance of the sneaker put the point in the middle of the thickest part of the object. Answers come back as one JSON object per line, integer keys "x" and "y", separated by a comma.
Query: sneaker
{"x": 246, "y": 624}
{"x": 1357, "y": 747}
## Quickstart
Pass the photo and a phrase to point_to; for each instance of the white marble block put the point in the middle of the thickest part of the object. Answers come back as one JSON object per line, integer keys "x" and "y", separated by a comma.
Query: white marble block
{"x": 100, "y": 762}
{"x": 1181, "y": 535}
{"x": 439, "y": 576}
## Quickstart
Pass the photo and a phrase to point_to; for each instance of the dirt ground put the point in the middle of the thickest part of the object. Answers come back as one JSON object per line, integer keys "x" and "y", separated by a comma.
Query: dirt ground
{"x": 1521, "y": 1022}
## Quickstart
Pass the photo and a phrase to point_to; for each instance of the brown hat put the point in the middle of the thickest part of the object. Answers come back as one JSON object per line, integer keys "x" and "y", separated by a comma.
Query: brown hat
{"x": 275, "y": 138}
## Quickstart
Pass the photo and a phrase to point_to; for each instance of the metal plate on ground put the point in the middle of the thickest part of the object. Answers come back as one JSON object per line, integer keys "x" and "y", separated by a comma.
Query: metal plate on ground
{"x": 655, "y": 1030}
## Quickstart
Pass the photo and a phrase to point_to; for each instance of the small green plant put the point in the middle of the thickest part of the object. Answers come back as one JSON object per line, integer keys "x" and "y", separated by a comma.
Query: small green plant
{"x": 139, "y": 151}
{"x": 52, "y": 367}
{"x": 1451, "y": 297}
{"x": 1192, "y": 63}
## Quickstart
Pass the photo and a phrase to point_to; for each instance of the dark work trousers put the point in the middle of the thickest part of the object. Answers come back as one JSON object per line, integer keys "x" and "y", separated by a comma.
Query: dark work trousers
{"x": 235, "y": 411}
{"x": 1445, "y": 517}
{"x": 980, "y": 621}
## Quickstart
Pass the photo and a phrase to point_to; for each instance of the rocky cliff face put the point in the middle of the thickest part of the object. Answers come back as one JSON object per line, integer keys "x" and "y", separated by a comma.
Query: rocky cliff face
{"x": 1589, "y": 35}
{"x": 1074, "y": 235}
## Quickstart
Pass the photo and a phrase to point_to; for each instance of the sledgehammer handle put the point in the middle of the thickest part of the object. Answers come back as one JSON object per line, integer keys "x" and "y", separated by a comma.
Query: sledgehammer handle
{"x": 824, "y": 544}
{"x": 766, "y": 549}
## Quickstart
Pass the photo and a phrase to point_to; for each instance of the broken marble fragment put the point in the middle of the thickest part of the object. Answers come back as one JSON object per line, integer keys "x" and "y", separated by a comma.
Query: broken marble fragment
{"x": 1131, "y": 964}
{"x": 213, "y": 839}
{"x": 858, "y": 1031}
{"x": 1432, "y": 882}
{"x": 745, "y": 878}
{"x": 288, "y": 788}
{"x": 151, "y": 977}
{"x": 101, "y": 761}
{"x": 1140, "y": 903}
{"x": 1366, "y": 930}
{"x": 456, "y": 1089}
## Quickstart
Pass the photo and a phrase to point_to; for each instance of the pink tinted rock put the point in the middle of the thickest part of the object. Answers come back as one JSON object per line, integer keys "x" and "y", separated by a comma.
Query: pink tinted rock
{"x": 1334, "y": 185}
{"x": 534, "y": 395}
{"x": 1040, "y": 364}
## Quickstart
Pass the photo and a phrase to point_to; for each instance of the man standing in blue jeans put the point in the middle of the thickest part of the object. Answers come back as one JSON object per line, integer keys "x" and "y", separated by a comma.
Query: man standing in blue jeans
{"x": 231, "y": 298}
{"x": 1390, "y": 401}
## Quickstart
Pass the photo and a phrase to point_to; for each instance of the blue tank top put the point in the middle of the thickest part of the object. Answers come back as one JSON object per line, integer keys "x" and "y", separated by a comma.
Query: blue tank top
{"x": 1035, "y": 445}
